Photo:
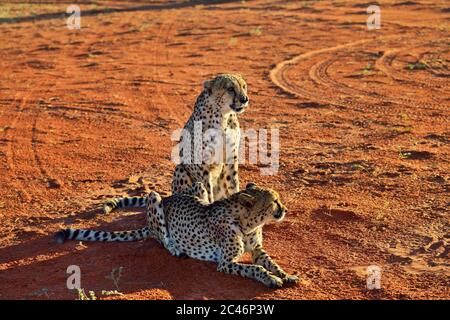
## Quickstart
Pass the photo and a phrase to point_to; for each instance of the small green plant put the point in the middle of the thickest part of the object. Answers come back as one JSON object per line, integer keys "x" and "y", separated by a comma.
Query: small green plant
{"x": 367, "y": 70}
{"x": 256, "y": 31}
{"x": 418, "y": 65}
{"x": 403, "y": 116}
{"x": 111, "y": 293}
{"x": 40, "y": 292}
{"x": 405, "y": 154}
{"x": 93, "y": 54}
{"x": 92, "y": 296}
{"x": 233, "y": 41}
{"x": 83, "y": 296}
{"x": 415, "y": 155}
{"x": 402, "y": 129}
{"x": 357, "y": 166}
{"x": 115, "y": 276}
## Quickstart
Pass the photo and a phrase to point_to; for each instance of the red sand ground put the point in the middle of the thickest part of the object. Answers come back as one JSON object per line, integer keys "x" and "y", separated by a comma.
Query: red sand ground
{"x": 364, "y": 166}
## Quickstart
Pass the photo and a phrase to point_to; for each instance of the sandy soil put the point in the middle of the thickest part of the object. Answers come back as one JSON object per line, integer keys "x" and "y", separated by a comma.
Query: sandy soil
{"x": 364, "y": 116}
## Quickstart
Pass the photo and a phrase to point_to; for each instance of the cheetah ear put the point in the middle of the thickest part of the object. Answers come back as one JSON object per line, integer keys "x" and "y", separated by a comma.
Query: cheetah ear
{"x": 208, "y": 86}
{"x": 247, "y": 200}
{"x": 250, "y": 186}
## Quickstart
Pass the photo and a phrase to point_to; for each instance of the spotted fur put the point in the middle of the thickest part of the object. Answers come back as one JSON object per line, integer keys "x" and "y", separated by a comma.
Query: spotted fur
{"x": 186, "y": 224}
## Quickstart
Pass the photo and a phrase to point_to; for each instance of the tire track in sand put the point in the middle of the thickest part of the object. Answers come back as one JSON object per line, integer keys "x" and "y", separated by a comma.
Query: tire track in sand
{"x": 10, "y": 154}
{"x": 26, "y": 145}
{"x": 278, "y": 75}
{"x": 50, "y": 179}
{"x": 173, "y": 113}
{"x": 342, "y": 95}
{"x": 378, "y": 101}
{"x": 384, "y": 64}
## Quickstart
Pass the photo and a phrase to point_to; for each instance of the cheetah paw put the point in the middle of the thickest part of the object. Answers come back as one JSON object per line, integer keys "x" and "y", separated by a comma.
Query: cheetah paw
{"x": 290, "y": 279}
{"x": 173, "y": 249}
{"x": 274, "y": 282}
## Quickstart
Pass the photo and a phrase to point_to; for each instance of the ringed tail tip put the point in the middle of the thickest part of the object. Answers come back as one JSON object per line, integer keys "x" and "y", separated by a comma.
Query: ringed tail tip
{"x": 61, "y": 236}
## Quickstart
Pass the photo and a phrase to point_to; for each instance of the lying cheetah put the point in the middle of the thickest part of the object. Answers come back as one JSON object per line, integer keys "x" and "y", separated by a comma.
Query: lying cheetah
{"x": 216, "y": 109}
{"x": 187, "y": 224}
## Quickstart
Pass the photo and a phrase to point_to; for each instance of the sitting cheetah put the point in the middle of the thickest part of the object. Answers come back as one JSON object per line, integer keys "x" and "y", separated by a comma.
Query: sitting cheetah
{"x": 216, "y": 109}
{"x": 186, "y": 224}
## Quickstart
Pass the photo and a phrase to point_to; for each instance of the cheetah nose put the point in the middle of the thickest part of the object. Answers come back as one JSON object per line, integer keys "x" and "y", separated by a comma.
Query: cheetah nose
{"x": 244, "y": 99}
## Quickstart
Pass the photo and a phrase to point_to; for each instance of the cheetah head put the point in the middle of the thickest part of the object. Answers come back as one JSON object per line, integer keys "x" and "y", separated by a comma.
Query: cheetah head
{"x": 263, "y": 206}
{"x": 229, "y": 91}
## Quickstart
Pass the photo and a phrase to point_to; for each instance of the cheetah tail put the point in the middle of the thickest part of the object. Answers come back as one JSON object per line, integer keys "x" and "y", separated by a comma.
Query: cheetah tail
{"x": 126, "y": 202}
{"x": 92, "y": 235}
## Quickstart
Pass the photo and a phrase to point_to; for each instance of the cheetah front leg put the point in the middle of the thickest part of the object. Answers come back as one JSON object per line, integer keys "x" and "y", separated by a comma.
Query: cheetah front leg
{"x": 231, "y": 179}
{"x": 155, "y": 215}
{"x": 260, "y": 257}
{"x": 233, "y": 250}
{"x": 181, "y": 179}
{"x": 251, "y": 271}
{"x": 228, "y": 183}
{"x": 207, "y": 183}
{"x": 231, "y": 167}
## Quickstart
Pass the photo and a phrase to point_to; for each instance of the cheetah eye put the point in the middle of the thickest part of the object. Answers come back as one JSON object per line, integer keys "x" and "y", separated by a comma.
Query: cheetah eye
{"x": 230, "y": 89}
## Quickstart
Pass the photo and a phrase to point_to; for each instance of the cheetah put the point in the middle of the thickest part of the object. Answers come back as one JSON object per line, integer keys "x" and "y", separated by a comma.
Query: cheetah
{"x": 221, "y": 232}
{"x": 202, "y": 156}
